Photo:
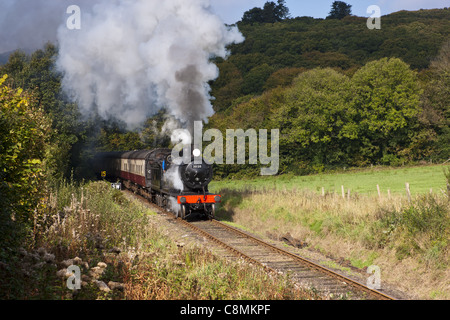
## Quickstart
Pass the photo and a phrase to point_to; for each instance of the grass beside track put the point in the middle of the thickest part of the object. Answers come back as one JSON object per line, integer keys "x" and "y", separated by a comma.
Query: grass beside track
{"x": 407, "y": 238}
{"x": 362, "y": 181}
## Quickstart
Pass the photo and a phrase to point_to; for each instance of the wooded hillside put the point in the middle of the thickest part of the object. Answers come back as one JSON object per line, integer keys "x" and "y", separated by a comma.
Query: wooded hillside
{"x": 341, "y": 94}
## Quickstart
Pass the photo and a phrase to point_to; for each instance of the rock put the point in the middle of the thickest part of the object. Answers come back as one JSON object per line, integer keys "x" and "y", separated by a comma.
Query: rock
{"x": 288, "y": 239}
{"x": 116, "y": 285}
{"x": 63, "y": 273}
{"x": 67, "y": 263}
{"x": 102, "y": 265}
{"x": 102, "y": 286}
{"x": 77, "y": 261}
{"x": 85, "y": 278}
{"x": 96, "y": 272}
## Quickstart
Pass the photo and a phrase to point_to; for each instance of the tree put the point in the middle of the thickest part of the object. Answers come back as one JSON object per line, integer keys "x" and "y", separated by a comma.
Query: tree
{"x": 271, "y": 13}
{"x": 24, "y": 133}
{"x": 282, "y": 77}
{"x": 339, "y": 10}
{"x": 435, "y": 116}
{"x": 254, "y": 80}
{"x": 386, "y": 105}
{"x": 37, "y": 74}
{"x": 313, "y": 120}
{"x": 281, "y": 11}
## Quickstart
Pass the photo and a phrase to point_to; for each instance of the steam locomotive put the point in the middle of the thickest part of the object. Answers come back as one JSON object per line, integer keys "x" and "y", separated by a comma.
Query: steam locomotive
{"x": 176, "y": 186}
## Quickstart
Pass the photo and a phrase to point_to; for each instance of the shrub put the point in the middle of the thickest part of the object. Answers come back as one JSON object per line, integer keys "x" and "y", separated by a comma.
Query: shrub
{"x": 422, "y": 227}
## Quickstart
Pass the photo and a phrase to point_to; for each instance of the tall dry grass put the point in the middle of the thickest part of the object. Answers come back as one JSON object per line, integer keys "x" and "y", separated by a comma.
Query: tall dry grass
{"x": 408, "y": 239}
{"x": 99, "y": 224}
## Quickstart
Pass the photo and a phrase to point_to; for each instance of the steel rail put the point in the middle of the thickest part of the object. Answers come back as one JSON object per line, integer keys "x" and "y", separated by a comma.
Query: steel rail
{"x": 310, "y": 264}
{"x": 228, "y": 247}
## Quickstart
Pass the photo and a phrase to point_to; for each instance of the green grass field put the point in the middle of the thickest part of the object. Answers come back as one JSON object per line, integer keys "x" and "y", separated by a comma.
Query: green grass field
{"x": 408, "y": 238}
{"x": 420, "y": 178}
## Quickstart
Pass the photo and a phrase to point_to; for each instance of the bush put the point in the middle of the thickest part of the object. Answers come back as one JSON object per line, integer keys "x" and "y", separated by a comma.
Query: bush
{"x": 24, "y": 130}
{"x": 422, "y": 227}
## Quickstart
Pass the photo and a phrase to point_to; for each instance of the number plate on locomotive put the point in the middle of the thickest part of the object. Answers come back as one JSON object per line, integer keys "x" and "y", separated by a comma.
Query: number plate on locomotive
{"x": 196, "y": 166}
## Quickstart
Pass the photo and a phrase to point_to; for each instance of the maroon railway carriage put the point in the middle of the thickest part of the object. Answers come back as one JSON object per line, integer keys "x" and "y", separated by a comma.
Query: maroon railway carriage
{"x": 181, "y": 188}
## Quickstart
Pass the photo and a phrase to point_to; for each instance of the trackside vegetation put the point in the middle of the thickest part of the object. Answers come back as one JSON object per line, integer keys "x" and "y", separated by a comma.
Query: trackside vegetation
{"x": 356, "y": 108}
{"x": 408, "y": 238}
{"x": 98, "y": 226}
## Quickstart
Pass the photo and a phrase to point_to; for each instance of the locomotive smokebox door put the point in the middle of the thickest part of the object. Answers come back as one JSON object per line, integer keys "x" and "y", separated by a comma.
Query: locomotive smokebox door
{"x": 196, "y": 176}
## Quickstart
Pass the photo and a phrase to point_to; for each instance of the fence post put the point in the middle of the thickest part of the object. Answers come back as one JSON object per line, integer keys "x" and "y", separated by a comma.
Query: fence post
{"x": 408, "y": 191}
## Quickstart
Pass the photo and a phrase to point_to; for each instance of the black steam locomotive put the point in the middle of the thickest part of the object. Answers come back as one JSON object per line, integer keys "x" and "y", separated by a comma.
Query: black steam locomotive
{"x": 177, "y": 186}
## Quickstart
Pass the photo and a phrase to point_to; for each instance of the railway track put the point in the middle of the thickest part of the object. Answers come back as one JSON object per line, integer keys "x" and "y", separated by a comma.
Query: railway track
{"x": 274, "y": 259}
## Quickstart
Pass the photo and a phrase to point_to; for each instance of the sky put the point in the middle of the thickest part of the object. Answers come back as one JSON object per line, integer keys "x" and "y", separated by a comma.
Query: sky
{"x": 232, "y": 11}
{"x": 39, "y": 19}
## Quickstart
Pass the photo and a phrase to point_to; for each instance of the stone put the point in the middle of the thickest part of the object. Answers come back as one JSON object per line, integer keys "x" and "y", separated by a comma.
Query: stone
{"x": 67, "y": 263}
{"x": 102, "y": 286}
{"x": 116, "y": 285}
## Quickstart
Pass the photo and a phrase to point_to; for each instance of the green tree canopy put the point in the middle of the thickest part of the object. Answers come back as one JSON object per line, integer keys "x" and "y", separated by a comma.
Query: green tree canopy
{"x": 386, "y": 104}
{"x": 270, "y": 13}
{"x": 435, "y": 116}
{"x": 339, "y": 10}
{"x": 312, "y": 119}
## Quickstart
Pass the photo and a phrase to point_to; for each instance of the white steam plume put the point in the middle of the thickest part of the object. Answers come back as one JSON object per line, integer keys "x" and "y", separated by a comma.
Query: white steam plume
{"x": 131, "y": 58}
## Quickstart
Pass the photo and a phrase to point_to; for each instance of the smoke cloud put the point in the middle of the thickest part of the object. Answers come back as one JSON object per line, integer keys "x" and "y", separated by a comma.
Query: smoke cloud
{"x": 132, "y": 58}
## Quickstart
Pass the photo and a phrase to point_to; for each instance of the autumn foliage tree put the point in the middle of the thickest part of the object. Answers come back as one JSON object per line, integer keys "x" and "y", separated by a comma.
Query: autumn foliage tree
{"x": 24, "y": 133}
